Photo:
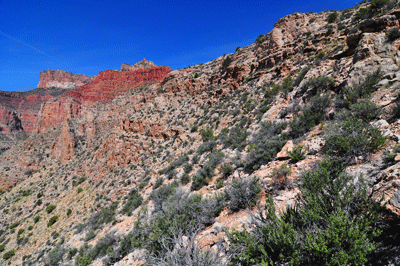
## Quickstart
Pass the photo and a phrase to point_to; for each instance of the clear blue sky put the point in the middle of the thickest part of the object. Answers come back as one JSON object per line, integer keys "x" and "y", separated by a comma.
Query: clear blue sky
{"x": 90, "y": 36}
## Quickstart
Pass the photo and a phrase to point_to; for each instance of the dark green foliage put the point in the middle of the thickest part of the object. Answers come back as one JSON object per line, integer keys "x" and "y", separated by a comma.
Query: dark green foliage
{"x": 185, "y": 178}
{"x": 260, "y": 39}
{"x": 208, "y": 146}
{"x": 204, "y": 174}
{"x": 350, "y": 95}
{"x": 12, "y": 226}
{"x": 207, "y": 134}
{"x": 301, "y": 76}
{"x": 318, "y": 84}
{"x": 158, "y": 183}
{"x": 390, "y": 155}
{"x": 241, "y": 194}
{"x": 332, "y": 224}
{"x": 235, "y": 139}
{"x": 226, "y": 171}
{"x": 132, "y": 201}
{"x": 162, "y": 193}
{"x": 52, "y": 220}
{"x": 2, "y": 247}
{"x": 265, "y": 145}
{"x": 377, "y": 4}
{"x": 181, "y": 212}
{"x": 298, "y": 153}
{"x": 188, "y": 168}
{"x": 362, "y": 13}
{"x": 36, "y": 219}
{"x": 8, "y": 254}
{"x": 227, "y": 61}
{"x": 311, "y": 115}
{"x": 104, "y": 216}
{"x": 50, "y": 208}
{"x": 352, "y": 137}
{"x": 169, "y": 171}
{"x": 366, "y": 110}
{"x": 79, "y": 181}
{"x": 69, "y": 211}
{"x": 55, "y": 256}
{"x": 393, "y": 34}
{"x": 332, "y": 17}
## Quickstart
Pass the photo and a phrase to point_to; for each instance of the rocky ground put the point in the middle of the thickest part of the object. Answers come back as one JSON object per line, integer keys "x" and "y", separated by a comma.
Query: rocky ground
{"x": 100, "y": 152}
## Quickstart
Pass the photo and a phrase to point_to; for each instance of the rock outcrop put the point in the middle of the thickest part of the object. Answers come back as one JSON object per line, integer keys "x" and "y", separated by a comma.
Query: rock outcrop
{"x": 62, "y": 79}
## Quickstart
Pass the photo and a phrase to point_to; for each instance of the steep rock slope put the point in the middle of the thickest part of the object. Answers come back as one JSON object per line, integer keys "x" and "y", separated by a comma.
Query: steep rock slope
{"x": 125, "y": 163}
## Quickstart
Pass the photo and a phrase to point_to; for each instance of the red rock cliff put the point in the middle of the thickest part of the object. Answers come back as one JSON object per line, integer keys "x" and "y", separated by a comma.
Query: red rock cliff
{"x": 106, "y": 86}
{"x": 62, "y": 79}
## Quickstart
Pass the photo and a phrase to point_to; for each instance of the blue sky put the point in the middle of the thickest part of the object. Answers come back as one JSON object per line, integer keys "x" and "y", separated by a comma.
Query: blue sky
{"x": 90, "y": 36}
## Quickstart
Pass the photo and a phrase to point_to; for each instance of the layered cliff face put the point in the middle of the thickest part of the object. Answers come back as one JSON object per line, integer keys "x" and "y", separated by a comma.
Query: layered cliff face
{"x": 62, "y": 79}
{"x": 106, "y": 86}
{"x": 139, "y": 65}
{"x": 139, "y": 156}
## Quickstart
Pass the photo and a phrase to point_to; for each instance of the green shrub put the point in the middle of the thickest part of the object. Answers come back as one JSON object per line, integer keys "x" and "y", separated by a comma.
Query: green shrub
{"x": 227, "y": 61}
{"x": 158, "y": 183}
{"x": 185, "y": 178}
{"x": 332, "y": 17}
{"x": 52, "y": 220}
{"x": 8, "y": 254}
{"x": 69, "y": 212}
{"x": 311, "y": 115}
{"x": 134, "y": 200}
{"x": 36, "y": 219}
{"x": 235, "y": 139}
{"x": 265, "y": 145}
{"x": 393, "y": 34}
{"x": 352, "y": 137}
{"x": 204, "y": 174}
{"x": 241, "y": 194}
{"x": 50, "y": 208}
{"x": 377, "y": 4}
{"x": 2, "y": 247}
{"x": 365, "y": 110}
{"x": 12, "y": 226}
{"x": 206, "y": 134}
{"x": 298, "y": 153}
{"x": 104, "y": 216}
{"x": 79, "y": 190}
{"x": 333, "y": 224}
{"x": 226, "y": 171}
{"x": 362, "y": 13}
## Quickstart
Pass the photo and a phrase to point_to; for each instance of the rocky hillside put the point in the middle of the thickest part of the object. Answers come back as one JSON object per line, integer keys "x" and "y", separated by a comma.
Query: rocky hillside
{"x": 292, "y": 140}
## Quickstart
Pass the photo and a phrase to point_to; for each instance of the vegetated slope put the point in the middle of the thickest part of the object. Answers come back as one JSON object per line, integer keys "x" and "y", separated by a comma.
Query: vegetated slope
{"x": 181, "y": 162}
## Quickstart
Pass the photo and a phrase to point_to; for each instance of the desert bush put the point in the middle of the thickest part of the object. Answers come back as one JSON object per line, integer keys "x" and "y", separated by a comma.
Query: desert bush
{"x": 162, "y": 193}
{"x": 2, "y": 247}
{"x": 204, "y": 174}
{"x": 52, "y": 220}
{"x": 332, "y": 17}
{"x": 333, "y": 224}
{"x": 208, "y": 146}
{"x": 301, "y": 76}
{"x": 185, "y": 178}
{"x": 50, "y": 208}
{"x": 311, "y": 115}
{"x": 236, "y": 138}
{"x": 132, "y": 201}
{"x": 264, "y": 146}
{"x": 104, "y": 216}
{"x": 298, "y": 153}
{"x": 8, "y": 254}
{"x": 207, "y": 134}
{"x": 393, "y": 34}
{"x": 186, "y": 251}
{"x": 366, "y": 110}
{"x": 362, "y": 13}
{"x": 390, "y": 155}
{"x": 227, "y": 61}
{"x": 55, "y": 256}
{"x": 241, "y": 194}
{"x": 317, "y": 84}
{"x": 36, "y": 219}
{"x": 352, "y": 137}
{"x": 158, "y": 183}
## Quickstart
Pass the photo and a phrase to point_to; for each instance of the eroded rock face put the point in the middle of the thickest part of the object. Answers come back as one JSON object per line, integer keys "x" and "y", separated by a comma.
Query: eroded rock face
{"x": 62, "y": 79}
{"x": 106, "y": 86}
{"x": 139, "y": 65}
